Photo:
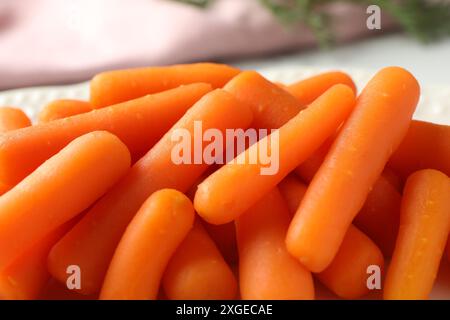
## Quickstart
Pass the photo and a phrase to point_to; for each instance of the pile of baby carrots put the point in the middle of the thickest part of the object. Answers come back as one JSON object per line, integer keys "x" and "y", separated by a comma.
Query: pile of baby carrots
{"x": 91, "y": 191}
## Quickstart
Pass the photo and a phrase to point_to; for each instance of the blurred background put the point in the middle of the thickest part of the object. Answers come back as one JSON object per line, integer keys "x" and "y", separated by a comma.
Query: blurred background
{"x": 46, "y": 42}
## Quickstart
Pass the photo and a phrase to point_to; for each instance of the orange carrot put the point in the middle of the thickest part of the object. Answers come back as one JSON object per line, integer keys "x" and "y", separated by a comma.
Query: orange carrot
{"x": 149, "y": 241}
{"x": 197, "y": 270}
{"x": 63, "y": 108}
{"x": 308, "y": 90}
{"x": 266, "y": 269}
{"x": 394, "y": 179}
{"x": 347, "y": 274}
{"x": 272, "y": 106}
{"x": 91, "y": 243}
{"x": 12, "y": 119}
{"x": 425, "y": 146}
{"x": 113, "y": 87}
{"x": 58, "y": 190}
{"x": 353, "y": 164}
{"x": 224, "y": 236}
{"x": 26, "y": 277}
{"x": 424, "y": 228}
{"x": 379, "y": 217}
{"x": 138, "y": 123}
{"x": 236, "y": 186}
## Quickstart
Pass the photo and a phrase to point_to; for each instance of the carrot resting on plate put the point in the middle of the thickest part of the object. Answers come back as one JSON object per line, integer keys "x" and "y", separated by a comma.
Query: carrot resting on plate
{"x": 12, "y": 118}
{"x": 149, "y": 241}
{"x": 116, "y": 86}
{"x": 424, "y": 229}
{"x": 235, "y": 187}
{"x": 138, "y": 123}
{"x": 63, "y": 108}
{"x": 357, "y": 157}
{"x": 58, "y": 190}
{"x": 91, "y": 243}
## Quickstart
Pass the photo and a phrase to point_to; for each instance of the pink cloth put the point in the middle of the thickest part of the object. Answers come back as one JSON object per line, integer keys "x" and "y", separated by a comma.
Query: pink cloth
{"x": 55, "y": 41}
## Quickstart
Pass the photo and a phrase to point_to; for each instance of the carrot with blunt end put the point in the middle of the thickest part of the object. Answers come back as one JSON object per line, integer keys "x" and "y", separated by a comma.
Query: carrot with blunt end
{"x": 266, "y": 269}
{"x": 91, "y": 243}
{"x": 197, "y": 270}
{"x": 63, "y": 108}
{"x": 149, "y": 241}
{"x": 58, "y": 190}
{"x": 113, "y": 87}
{"x": 425, "y": 146}
{"x": 12, "y": 119}
{"x": 347, "y": 274}
{"x": 138, "y": 123}
{"x": 26, "y": 277}
{"x": 356, "y": 159}
{"x": 309, "y": 89}
{"x": 239, "y": 184}
{"x": 424, "y": 228}
{"x": 272, "y": 106}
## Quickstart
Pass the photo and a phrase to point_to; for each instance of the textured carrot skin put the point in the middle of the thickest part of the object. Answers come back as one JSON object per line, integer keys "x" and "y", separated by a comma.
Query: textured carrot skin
{"x": 266, "y": 269}
{"x": 26, "y": 276}
{"x": 63, "y": 108}
{"x": 58, "y": 190}
{"x": 308, "y": 90}
{"x": 117, "y": 86}
{"x": 149, "y": 241}
{"x": 197, "y": 270}
{"x": 337, "y": 192}
{"x": 425, "y": 146}
{"x": 12, "y": 119}
{"x": 138, "y": 123}
{"x": 236, "y": 186}
{"x": 272, "y": 106}
{"x": 347, "y": 274}
{"x": 424, "y": 228}
{"x": 91, "y": 243}
{"x": 379, "y": 217}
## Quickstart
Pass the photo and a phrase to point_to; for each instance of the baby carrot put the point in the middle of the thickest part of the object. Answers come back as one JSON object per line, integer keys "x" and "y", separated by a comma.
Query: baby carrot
{"x": 272, "y": 106}
{"x": 425, "y": 146}
{"x": 27, "y": 275}
{"x": 63, "y": 108}
{"x": 149, "y": 241}
{"x": 224, "y": 236}
{"x": 380, "y": 215}
{"x": 356, "y": 159}
{"x": 138, "y": 123}
{"x": 239, "y": 184}
{"x": 58, "y": 190}
{"x": 266, "y": 269}
{"x": 91, "y": 243}
{"x": 117, "y": 86}
{"x": 308, "y": 90}
{"x": 197, "y": 270}
{"x": 347, "y": 274}
{"x": 12, "y": 119}
{"x": 424, "y": 228}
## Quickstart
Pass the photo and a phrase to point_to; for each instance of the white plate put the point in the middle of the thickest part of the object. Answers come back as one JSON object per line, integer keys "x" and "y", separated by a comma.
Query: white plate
{"x": 434, "y": 106}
